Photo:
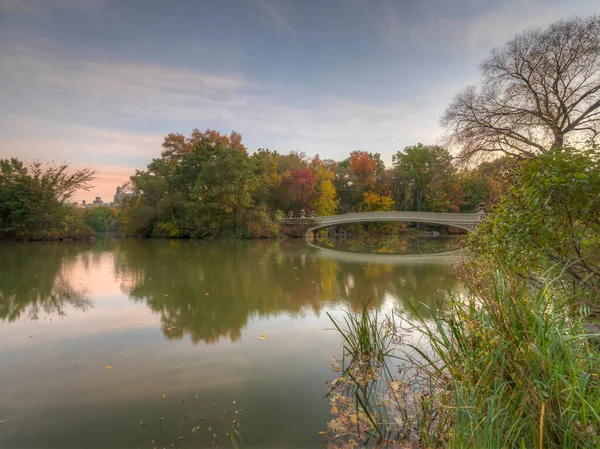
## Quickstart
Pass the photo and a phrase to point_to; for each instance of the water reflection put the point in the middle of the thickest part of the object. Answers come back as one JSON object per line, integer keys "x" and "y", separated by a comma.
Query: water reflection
{"x": 409, "y": 243}
{"x": 36, "y": 282}
{"x": 155, "y": 304}
{"x": 210, "y": 290}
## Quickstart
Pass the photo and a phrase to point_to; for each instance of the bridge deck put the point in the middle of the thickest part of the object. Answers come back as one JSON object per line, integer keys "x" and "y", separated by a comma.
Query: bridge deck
{"x": 467, "y": 221}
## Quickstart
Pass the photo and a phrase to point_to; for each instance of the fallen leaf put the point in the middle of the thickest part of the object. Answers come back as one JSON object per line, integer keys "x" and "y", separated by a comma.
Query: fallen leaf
{"x": 322, "y": 432}
{"x": 164, "y": 396}
{"x": 1, "y": 421}
{"x": 262, "y": 337}
{"x": 108, "y": 367}
{"x": 395, "y": 385}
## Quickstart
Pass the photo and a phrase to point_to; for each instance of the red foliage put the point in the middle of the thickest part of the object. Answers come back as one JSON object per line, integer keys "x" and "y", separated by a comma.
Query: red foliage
{"x": 363, "y": 169}
{"x": 300, "y": 187}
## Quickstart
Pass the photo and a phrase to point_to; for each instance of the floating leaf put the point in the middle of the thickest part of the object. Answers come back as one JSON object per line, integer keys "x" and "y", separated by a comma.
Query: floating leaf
{"x": 262, "y": 337}
{"x": 395, "y": 386}
{"x": 164, "y": 396}
{"x": 1, "y": 421}
{"x": 108, "y": 367}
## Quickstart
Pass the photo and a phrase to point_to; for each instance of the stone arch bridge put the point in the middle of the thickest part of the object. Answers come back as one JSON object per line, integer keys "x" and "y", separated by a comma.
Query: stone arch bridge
{"x": 466, "y": 221}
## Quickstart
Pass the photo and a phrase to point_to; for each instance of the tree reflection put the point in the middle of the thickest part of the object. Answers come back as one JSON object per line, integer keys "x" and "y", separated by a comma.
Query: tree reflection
{"x": 35, "y": 281}
{"x": 210, "y": 290}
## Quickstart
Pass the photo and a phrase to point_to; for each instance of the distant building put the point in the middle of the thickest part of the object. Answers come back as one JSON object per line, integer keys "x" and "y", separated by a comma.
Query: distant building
{"x": 83, "y": 203}
{"x": 119, "y": 197}
{"x": 98, "y": 202}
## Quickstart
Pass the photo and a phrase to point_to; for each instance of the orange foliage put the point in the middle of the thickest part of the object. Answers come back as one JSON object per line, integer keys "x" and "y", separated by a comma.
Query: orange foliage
{"x": 176, "y": 144}
{"x": 363, "y": 169}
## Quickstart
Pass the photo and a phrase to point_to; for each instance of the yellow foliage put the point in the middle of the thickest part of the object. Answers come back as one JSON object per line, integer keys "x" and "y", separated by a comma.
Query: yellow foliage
{"x": 327, "y": 201}
{"x": 374, "y": 202}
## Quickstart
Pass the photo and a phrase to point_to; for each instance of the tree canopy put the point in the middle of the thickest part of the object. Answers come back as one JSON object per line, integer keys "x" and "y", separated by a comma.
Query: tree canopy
{"x": 540, "y": 90}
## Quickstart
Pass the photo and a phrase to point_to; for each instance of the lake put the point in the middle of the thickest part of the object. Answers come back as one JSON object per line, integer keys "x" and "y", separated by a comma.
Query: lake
{"x": 95, "y": 337}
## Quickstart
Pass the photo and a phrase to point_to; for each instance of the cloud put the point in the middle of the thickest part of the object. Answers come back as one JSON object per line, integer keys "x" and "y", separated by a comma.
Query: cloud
{"x": 113, "y": 88}
{"x": 273, "y": 11}
{"x": 113, "y": 154}
{"x": 39, "y": 6}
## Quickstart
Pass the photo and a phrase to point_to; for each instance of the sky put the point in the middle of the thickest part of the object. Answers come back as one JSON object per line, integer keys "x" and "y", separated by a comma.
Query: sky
{"x": 99, "y": 83}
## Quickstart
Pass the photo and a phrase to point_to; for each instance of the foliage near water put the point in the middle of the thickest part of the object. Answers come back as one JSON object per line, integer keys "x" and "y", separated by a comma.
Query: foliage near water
{"x": 509, "y": 362}
{"x": 550, "y": 220}
{"x": 35, "y": 201}
{"x": 208, "y": 185}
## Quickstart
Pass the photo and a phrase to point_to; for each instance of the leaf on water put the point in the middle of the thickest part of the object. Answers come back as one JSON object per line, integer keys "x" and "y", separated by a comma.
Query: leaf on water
{"x": 1, "y": 421}
{"x": 262, "y": 337}
{"x": 108, "y": 367}
{"x": 322, "y": 432}
{"x": 334, "y": 410}
{"x": 395, "y": 386}
{"x": 335, "y": 425}
{"x": 164, "y": 396}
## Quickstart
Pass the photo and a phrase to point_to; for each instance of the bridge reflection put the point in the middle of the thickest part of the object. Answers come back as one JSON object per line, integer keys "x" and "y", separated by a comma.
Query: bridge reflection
{"x": 444, "y": 258}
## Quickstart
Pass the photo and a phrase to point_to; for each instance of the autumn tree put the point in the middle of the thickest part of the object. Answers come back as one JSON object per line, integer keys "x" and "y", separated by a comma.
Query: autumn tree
{"x": 540, "y": 90}
{"x": 300, "y": 188}
{"x": 373, "y": 201}
{"x": 363, "y": 170}
{"x": 326, "y": 201}
{"x": 176, "y": 145}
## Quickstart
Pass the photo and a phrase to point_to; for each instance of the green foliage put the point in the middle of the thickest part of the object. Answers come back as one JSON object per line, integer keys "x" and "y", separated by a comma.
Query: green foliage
{"x": 427, "y": 179}
{"x": 511, "y": 370}
{"x": 101, "y": 219}
{"x": 34, "y": 201}
{"x": 549, "y": 220}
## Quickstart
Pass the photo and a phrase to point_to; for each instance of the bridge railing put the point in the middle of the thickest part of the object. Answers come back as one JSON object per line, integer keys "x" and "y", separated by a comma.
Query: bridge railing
{"x": 407, "y": 215}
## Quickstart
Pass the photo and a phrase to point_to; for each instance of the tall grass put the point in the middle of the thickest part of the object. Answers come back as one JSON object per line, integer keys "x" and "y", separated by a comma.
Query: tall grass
{"x": 522, "y": 372}
{"x": 368, "y": 345}
{"x": 506, "y": 365}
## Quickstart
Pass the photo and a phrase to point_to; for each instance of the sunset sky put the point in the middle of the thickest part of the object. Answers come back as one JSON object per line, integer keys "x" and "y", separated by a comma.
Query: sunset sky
{"x": 100, "y": 82}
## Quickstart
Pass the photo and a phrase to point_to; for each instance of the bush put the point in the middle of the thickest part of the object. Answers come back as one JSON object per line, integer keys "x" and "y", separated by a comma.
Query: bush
{"x": 549, "y": 220}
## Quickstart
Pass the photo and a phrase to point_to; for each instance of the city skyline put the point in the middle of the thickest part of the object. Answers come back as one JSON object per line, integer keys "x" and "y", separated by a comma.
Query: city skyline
{"x": 99, "y": 83}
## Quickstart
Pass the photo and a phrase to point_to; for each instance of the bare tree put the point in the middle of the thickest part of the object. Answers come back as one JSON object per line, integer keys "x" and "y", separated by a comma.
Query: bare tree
{"x": 60, "y": 180}
{"x": 540, "y": 90}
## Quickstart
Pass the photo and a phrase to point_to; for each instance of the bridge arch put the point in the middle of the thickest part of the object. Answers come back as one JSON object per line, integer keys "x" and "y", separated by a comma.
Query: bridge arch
{"x": 466, "y": 221}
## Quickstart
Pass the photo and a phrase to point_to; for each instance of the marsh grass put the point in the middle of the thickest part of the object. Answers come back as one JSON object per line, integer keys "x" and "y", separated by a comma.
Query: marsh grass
{"x": 367, "y": 349}
{"x": 507, "y": 364}
{"x": 511, "y": 366}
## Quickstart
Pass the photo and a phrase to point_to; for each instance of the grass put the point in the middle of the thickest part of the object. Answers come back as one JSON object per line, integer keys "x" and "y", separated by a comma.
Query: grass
{"x": 368, "y": 345}
{"x": 521, "y": 368}
{"x": 507, "y": 365}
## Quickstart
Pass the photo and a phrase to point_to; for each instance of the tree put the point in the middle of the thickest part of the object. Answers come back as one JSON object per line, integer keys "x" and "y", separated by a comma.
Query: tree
{"x": 540, "y": 90}
{"x": 326, "y": 201}
{"x": 34, "y": 200}
{"x": 363, "y": 170}
{"x": 427, "y": 173}
{"x": 549, "y": 220}
{"x": 176, "y": 145}
{"x": 300, "y": 187}
{"x": 376, "y": 202}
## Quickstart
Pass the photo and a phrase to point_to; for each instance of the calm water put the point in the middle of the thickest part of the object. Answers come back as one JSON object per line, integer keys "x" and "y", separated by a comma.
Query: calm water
{"x": 95, "y": 337}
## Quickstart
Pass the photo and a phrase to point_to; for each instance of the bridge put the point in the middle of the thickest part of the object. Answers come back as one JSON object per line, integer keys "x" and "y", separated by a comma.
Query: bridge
{"x": 394, "y": 259}
{"x": 466, "y": 221}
